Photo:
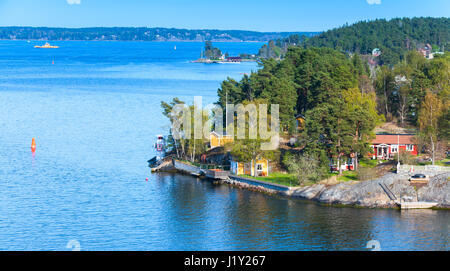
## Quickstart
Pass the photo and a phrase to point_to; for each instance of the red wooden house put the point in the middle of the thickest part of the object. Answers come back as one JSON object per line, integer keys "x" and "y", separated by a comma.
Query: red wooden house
{"x": 385, "y": 146}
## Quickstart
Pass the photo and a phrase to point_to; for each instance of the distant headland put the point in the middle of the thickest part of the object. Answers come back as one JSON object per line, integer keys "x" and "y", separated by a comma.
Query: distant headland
{"x": 140, "y": 34}
{"x": 212, "y": 54}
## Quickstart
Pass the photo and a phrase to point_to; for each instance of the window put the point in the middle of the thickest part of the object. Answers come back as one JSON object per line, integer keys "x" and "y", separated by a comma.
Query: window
{"x": 394, "y": 148}
{"x": 259, "y": 167}
{"x": 410, "y": 147}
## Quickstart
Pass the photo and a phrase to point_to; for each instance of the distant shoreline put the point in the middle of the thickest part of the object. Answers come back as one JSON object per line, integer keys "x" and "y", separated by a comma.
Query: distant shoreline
{"x": 193, "y": 41}
{"x": 140, "y": 34}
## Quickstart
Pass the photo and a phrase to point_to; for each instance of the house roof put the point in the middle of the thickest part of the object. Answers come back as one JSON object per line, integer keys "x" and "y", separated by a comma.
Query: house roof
{"x": 220, "y": 136}
{"x": 393, "y": 139}
{"x": 299, "y": 116}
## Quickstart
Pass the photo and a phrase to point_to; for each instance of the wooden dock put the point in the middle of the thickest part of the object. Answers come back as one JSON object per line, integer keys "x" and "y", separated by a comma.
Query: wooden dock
{"x": 417, "y": 205}
{"x": 216, "y": 174}
{"x": 187, "y": 168}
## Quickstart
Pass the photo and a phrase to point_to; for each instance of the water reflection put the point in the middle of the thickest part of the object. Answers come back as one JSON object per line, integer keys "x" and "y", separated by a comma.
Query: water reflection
{"x": 204, "y": 216}
{"x": 94, "y": 115}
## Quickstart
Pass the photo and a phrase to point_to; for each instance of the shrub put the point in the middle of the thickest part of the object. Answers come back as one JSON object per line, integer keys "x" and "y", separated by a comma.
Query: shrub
{"x": 304, "y": 167}
{"x": 406, "y": 158}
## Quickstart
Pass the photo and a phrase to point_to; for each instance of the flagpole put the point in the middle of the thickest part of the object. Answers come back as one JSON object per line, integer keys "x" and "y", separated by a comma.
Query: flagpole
{"x": 226, "y": 112}
{"x": 398, "y": 148}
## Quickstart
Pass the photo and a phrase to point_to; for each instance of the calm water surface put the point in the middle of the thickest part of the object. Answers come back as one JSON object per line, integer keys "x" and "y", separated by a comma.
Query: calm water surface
{"x": 95, "y": 113}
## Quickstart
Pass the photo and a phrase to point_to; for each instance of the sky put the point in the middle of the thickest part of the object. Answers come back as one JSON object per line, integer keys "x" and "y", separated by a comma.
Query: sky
{"x": 257, "y": 15}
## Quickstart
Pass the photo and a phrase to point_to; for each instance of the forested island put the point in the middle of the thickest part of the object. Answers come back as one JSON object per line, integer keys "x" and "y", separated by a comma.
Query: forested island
{"x": 336, "y": 98}
{"x": 139, "y": 34}
{"x": 343, "y": 92}
{"x": 211, "y": 54}
{"x": 394, "y": 38}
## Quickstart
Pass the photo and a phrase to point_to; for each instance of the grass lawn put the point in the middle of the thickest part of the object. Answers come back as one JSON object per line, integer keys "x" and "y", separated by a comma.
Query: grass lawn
{"x": 445, "y": 162}
{"x": 370, "y": 163}
{"x": 348, "y": 176}
{"x": 277, "y": 178}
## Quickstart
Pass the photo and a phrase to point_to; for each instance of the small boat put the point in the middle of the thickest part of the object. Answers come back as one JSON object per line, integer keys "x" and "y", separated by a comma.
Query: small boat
{"x": 46, "y": 46}
{"x": 418, "y": 205}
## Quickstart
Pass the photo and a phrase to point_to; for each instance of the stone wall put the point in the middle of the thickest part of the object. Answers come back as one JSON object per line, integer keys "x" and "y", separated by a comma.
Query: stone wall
{"x": 428, "y": 170}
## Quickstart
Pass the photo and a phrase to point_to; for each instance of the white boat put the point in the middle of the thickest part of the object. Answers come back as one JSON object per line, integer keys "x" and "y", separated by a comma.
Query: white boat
{"x": 417, "y": 205}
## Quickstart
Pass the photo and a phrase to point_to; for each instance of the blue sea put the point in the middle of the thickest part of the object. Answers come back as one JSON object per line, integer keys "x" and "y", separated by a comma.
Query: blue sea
{"x": 94, "y": 109}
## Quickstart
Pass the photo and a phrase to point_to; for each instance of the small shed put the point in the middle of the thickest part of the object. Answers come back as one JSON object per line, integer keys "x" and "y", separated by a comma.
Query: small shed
{"x": 248, "y": 168}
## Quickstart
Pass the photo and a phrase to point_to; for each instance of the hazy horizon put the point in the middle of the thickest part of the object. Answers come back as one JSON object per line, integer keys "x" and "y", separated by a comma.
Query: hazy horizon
{"x": 212, "y": 29}
{"x": 252, "y": 15}
{"x": 160, "y": 27}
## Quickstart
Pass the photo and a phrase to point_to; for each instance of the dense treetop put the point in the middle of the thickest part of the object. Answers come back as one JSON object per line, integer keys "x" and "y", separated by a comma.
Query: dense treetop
{"x": 394, "y": 38}
{"x": 342, "y": 100}
{"x": 211, "y": 52}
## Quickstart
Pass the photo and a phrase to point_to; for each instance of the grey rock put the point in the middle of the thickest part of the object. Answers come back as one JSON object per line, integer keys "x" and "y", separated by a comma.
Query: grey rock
{"x": 437, "y": 190}
{"x": 308, "y": 192}
{"x": 371, "y": 193}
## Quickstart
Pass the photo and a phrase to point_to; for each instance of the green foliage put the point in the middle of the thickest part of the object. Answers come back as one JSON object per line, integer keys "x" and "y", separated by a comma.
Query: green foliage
{"x": 186, "y": 147}
{"x": 368, "y": 163}
{"x": 344, "y": 125}
{"x": 278, "y": 178}
{"x": 394, "y": 37}
{"x": 444, "y": 125}
{"x": 401, "y": 89}
{"x": 248, "y": 149}
{"x": 340, "y": 96}
{"x": 320, "y": 83}
{"x": 305, "y": 167}
{"x": 278, "y": 48}
{"x": 406, "y": 158}
{"x": 211, "y": 52}
{"x": 362, "y": 117}
{"x": 431, "y": 112}
{"x": 304, "y": 79}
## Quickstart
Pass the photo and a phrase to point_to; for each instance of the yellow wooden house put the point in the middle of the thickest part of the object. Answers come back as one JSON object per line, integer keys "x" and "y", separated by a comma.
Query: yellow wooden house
{"x": 216, "y": 140}
{"x": 241, "y": 168}
{"x": 301, "y": 123}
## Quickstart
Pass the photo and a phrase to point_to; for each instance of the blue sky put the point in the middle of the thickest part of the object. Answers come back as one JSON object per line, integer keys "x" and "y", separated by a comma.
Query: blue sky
{"x": 259, "y": 15}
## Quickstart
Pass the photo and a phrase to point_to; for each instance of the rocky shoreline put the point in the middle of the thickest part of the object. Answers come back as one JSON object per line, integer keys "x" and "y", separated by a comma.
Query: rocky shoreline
{"x": 372, "y": 194}
{"x": 369, "y": 194}
{"x": 383, "y": 192}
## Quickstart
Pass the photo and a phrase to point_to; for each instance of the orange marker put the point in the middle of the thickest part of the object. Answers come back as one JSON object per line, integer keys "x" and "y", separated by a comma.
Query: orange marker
{"x": 33, "y": 145}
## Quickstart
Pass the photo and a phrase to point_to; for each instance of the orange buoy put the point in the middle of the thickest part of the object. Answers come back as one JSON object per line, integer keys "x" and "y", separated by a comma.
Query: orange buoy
{"x": 33, "y": 145}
